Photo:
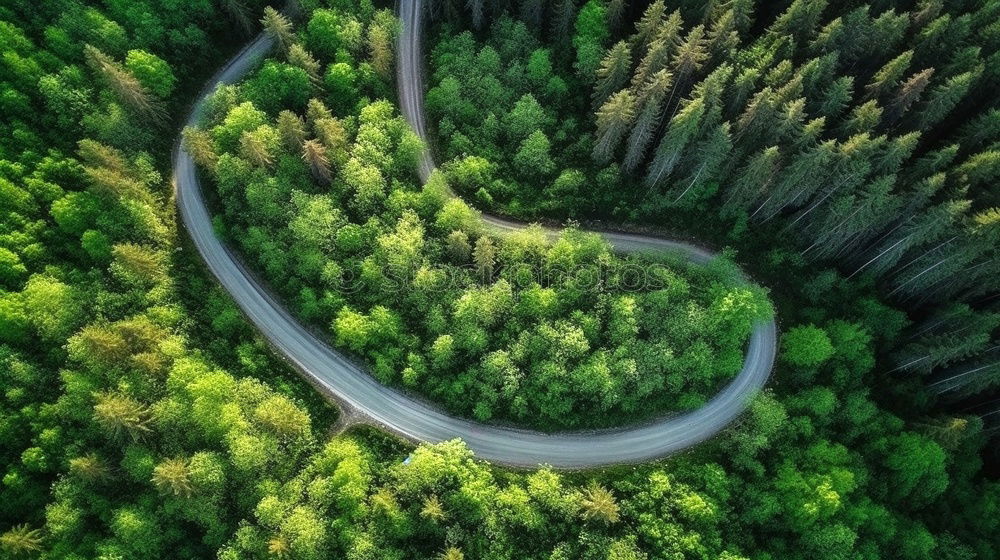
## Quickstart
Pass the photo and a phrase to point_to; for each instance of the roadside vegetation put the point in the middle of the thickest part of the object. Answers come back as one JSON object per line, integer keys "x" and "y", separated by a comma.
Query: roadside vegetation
{"x": 140, "y": 418}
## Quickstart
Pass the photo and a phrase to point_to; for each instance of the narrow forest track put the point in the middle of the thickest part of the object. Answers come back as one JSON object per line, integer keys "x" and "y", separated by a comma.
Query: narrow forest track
{"x": 406, "y": 415}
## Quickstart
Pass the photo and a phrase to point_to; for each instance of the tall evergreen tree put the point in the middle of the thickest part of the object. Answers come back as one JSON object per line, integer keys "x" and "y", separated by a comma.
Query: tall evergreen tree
{"x": 279, "y": 28}
{"x": 614, "y": 119}
{"x": 682, "y": 128}
{"x": 613, "y": 73}
{"x": 909, "y": 93}
{"x": 887, "y": 78}
{"x": 647, "y": 121}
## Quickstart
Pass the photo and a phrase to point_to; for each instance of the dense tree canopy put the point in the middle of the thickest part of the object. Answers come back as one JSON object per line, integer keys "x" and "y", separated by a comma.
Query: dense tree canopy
{"x": 847, "y": 151}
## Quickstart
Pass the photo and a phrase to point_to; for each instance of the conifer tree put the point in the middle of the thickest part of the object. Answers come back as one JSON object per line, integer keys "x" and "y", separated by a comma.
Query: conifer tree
{"x": 563, "y": 16}
{"x": 723, "y": 37}
{"x": 599, "y": 504}
{"x": 650, "y": 114}
{"x": 125, "y": 85}
{"x": 279, "y": 28}
{"x": 613, "y": 72}
{"x": 173, "y": 476}
{"x": 944, "y": 98}
{"x": 614, "y": 119}
{"x": 121, "y": 416}
{"x": 887, "y": 78}
{"x": 21, "y": 540}
{"x": 648, "y": 26}
{"x": 292, "y": 130}
{"x": 659, "y": 50}
{"x": 680, "y": 132}
{"x": 300, "y": 57}
{"x": 237, "y": 9}
{"x": 909, "y": 93}
{"x": 314, "y": 153}
{"x": 616, "y": 14}
{"x": 709, "y": 160}
{"x": 690, "y": 55}
{"x": 752, "y": 181}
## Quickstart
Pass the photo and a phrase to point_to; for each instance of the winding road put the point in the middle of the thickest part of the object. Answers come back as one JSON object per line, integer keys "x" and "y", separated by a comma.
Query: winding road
{"x": 411, "y": 417}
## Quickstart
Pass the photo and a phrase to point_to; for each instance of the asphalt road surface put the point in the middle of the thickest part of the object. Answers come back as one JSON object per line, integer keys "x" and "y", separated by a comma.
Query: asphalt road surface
{"x": 409, "y": 416}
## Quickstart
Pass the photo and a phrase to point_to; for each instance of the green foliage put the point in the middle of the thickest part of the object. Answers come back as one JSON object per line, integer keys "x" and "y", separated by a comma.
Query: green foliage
{"x": 131, "y": 422}
{"x": 806, "y": 346}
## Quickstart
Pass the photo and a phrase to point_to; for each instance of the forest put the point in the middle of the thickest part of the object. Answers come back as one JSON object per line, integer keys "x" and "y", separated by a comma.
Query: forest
{"x": 843, "y": 154}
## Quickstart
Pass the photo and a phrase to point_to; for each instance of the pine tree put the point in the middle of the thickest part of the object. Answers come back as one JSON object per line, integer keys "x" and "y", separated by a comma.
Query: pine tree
{"x": 21, "y": 540}
{"x": 968, "y": 379}
{"x": 89, "y": 467}
{"x": 121, "y": 416}
{"x": 659, "y": 50}
{"x": 279, "y": 547}
{"x": 949, "y": 335}
{"x": 944, "y": 98}
{"x": 836, "y": 98}
{"x": 752, "y": 181}
{"x": 173, "y": 476}
{"x": 710, "y": 156}
{"x": 381, "y": 34}
{"x": 983, "y": 129}
{"x": 316, "y": 111}
{"x": 887, "y": 78}
{"x": 613, "y": 72}
{"x": 649, "y": 24}
{"x": 909, "y": 93}
{"x": 125, "y": 85}
{"x": 292, "y": 130}
{"x": 913, "y": 236}
{"x": 723, "y": 38}
{"x": 799, "y": 20}
{"x": 598, "y": 503}
{"x": 798, "y": 181}
{"x": 648, "y": 120}
{"x": 614, "y": 119}
{"x": 852, "y": 166}
{"x": 300, "y": 57}
{"x": 484, "y": 255}
{"x": 279, "y": 28}
{"x": 864, "y": 118}
{"x": 254, "y": 149}
{"x": 980, "y": 170}
{"x": 616, "y": 14}
{"x": 433, "y": 510}
{"x": 742, "y": 14}
{"x": 690, "y": 55}
{"x": 314, "y": 153}
{"x": 681, "y": 130}
{"x": 237, "y": 9}
{"x": 852, "y": 219}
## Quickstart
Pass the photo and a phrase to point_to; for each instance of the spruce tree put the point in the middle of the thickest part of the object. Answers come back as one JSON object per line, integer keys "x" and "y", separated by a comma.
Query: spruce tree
{"x": 614, "y": 119}
{"x": 613, "y": 73}
{"x": 647, "y": 121}
{"x": 279, "y": 28}
{"x": 648, "y": 25}
{"x": 909, "y": 93}
{"x": 682, "y": 128}
{"x": 887, "y": 78}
